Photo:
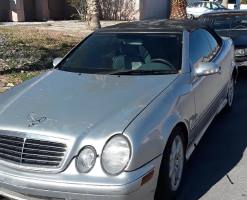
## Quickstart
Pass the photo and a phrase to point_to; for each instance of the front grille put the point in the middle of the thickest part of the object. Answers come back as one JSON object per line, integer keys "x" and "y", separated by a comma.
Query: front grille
{"x": 31, "y": 152}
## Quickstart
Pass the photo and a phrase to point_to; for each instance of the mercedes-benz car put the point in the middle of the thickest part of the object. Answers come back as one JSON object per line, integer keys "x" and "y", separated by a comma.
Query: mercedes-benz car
{"x": 231, "y": 24}
{"x": 118, "y": 116}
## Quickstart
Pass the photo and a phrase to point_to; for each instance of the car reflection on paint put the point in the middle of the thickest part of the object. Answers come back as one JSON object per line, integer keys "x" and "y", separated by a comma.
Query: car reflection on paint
{"x": 231, "y": 24}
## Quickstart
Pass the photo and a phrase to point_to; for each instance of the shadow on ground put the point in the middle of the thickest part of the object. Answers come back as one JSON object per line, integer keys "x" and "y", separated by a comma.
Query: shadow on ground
{"x": 221, "y": 148}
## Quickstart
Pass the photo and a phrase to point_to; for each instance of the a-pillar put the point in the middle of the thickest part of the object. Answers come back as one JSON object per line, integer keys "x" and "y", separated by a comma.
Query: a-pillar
{"x": 42, "y": 10}
{"x": 17, "y": 10}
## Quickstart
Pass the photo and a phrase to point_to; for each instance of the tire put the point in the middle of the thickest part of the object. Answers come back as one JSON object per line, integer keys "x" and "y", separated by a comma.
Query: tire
{"x": 167, "y": 186}
{"x": 230, "y": 94}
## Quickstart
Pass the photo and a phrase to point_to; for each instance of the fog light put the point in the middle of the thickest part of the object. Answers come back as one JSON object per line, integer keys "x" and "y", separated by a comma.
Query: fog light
{"x": 86, "y": 159}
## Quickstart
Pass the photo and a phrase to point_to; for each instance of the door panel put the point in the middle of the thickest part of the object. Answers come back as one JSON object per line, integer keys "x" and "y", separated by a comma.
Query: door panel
{"x": 207, "y": 89}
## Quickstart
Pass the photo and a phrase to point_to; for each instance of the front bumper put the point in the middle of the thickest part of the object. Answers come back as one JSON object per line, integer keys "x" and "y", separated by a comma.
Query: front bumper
{"x": 128, "y": 186}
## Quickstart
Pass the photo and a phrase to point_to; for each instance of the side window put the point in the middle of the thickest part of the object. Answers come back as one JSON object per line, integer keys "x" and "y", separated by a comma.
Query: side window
{"x": 213, "y": 43}
{"x": 201, "y": 5}
{"x": 215, "y": 6}
{"x": 203, "y": 46}
{"x": 207, "y": 5}
{"x": 200, "y": 48}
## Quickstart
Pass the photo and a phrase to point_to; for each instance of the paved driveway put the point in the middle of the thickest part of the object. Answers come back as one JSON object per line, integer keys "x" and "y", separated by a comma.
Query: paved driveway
{"x": 218, "y": 168}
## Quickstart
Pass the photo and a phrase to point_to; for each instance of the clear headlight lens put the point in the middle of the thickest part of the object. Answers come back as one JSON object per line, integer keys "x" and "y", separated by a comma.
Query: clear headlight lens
{"x": 240, "y": 52}
{"x": 116, "y": 155}
{"x": 86, "y": 159}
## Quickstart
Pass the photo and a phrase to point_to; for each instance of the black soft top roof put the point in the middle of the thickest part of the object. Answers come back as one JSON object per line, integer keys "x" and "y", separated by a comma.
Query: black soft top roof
{"x": 159, "y": 26}
{"x": 155, "y": 26}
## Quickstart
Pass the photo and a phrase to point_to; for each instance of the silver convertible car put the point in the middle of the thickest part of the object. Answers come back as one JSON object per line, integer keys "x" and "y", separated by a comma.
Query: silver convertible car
{"x": 117, "y": 117}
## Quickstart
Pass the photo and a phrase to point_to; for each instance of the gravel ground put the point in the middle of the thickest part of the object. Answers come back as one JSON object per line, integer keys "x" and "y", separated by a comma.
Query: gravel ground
{"x": 69, "y": 27}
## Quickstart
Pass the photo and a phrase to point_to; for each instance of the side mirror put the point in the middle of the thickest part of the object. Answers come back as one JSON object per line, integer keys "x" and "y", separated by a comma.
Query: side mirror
{"x": 207, "y": 68}
{"x": 56, "y": 61}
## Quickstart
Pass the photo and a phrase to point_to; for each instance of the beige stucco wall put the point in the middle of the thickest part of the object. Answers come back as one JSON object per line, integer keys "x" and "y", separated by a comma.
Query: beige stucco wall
{"x": 42, "y": 10}
{"x": 17, "y": 10}
{"x": 21, "y": 10}
{"x": 137, "y": 10}
{"x": 29, "y": 10}
{"x": 151, "y": 9}
{"x": 57, "y": 9}
{"x": 4, "y": 10}
{"x": 154, "y": 9}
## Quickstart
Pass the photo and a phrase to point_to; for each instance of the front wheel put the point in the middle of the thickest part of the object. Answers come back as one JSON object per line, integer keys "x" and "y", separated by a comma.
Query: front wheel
{"x": 172, "y": 167}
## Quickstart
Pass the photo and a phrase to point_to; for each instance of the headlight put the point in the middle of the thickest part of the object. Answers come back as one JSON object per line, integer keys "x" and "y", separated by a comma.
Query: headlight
{"x": 116, "y": 155}
{"x": 86, "y": 159}
{"x": 240, "y": 52}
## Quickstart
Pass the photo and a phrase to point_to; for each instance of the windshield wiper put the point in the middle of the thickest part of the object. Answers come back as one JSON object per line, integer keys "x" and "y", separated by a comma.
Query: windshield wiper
{"x": 86, "y": 70}
{"x": 143, "y": 72}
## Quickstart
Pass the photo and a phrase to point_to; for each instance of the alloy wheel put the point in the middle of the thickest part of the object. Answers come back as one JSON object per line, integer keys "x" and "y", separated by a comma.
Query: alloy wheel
{"x": 176, "y": 163}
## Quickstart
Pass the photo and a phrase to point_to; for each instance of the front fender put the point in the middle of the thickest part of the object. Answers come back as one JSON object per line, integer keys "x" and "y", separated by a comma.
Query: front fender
{"x": 150, "y": 144}
{"x": 150, "y": 131}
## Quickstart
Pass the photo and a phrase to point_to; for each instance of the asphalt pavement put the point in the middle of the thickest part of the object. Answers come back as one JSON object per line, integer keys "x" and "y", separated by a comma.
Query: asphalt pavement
{"x": 218, "y": 168}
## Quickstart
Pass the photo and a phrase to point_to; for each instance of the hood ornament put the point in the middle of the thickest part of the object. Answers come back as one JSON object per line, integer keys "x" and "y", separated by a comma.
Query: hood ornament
{"x": 35, "y": 119}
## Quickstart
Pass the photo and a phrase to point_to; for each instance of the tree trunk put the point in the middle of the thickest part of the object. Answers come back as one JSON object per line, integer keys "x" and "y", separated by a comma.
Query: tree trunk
{"x": 93, "y": 14}
{"x": 225, "y": 3}
{"x": 178, "y": 9}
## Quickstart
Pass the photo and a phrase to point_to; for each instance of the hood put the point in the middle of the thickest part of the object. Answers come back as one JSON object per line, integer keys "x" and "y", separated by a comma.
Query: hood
{"x": 68, "y": 105}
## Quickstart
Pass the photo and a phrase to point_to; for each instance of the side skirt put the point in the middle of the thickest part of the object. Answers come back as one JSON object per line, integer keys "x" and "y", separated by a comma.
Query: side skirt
{"x": 196, "y": 141}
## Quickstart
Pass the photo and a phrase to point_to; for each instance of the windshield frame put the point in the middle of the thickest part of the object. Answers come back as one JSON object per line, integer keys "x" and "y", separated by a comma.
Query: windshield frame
{"x": 180, "y": 35}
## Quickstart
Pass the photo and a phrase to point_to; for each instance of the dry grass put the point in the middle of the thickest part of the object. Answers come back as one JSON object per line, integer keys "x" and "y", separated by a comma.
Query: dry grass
{"x": 26, "y": 52}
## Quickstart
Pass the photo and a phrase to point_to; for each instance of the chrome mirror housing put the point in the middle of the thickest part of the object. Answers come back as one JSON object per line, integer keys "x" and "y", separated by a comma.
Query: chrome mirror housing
{"x": 56, "y": 61}
{"x": 207, "y": 68}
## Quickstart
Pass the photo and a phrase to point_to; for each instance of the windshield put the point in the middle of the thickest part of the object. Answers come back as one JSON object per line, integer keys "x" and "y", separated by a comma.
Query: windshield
{"x": 227, "y": 22}
{"x": 105, "y": 53}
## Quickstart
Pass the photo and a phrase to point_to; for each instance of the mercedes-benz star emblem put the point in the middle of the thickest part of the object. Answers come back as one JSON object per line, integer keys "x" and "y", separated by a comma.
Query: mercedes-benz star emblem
{"x": 35, "y": 119}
